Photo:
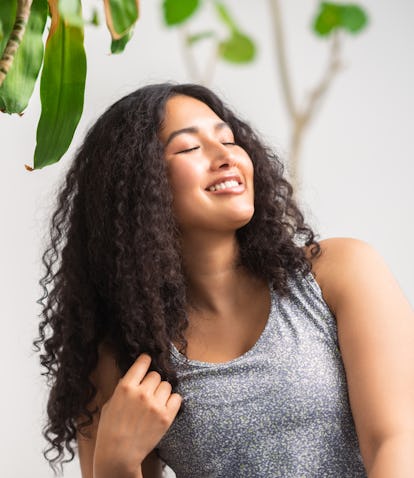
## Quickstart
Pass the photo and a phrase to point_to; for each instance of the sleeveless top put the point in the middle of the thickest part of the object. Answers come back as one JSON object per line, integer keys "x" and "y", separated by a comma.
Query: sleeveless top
{"x": 279, "y": 410}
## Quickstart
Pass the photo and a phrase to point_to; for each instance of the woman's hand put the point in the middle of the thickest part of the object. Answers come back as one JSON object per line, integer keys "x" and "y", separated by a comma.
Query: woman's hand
{"x": 133, "y": 421}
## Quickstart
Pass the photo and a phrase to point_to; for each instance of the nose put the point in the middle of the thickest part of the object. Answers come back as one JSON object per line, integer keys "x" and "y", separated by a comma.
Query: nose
{"x": 222, "y": 157}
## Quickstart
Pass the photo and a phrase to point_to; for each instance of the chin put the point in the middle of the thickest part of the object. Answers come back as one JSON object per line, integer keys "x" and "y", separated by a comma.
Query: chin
{"x": 244, "y": 218}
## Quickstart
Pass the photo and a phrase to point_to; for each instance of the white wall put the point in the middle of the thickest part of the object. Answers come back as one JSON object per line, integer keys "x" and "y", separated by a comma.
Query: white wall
{"x": 357, "y": 166}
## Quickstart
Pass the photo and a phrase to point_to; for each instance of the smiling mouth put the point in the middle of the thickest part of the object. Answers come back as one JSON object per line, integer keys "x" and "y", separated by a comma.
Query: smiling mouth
{"x": 230, "y": 184}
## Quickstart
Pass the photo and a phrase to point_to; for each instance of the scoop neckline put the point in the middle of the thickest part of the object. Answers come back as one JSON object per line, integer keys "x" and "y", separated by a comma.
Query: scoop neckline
{"x": 199, "y": 363}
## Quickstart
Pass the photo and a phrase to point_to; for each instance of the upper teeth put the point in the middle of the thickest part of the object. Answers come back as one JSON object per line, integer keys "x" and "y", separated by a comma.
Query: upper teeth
{"x": 225, "y": 184}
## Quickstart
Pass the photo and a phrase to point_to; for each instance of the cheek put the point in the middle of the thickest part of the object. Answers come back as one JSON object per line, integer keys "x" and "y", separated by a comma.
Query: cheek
{"x": 248, "y": 167}
{"x": 185, "y": 188}
{"x": 184, "y": 174}
{"x": 251, "y": 168}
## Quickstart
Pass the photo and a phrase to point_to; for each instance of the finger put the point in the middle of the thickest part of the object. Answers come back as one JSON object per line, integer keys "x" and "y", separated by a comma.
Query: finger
{"x": 174, "y": 403}
{"x": 163, "y": 392}
{"x": 151, "y": 381}
{"x": 138, "y": 369}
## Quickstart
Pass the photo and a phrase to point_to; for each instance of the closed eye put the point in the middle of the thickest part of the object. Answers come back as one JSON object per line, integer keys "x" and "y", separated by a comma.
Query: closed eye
{"x": 229, "y": 143}
{"x": 188, "y": 150}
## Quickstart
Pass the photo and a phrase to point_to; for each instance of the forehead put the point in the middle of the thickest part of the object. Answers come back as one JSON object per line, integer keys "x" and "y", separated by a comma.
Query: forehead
{"x": 183, "y": 111}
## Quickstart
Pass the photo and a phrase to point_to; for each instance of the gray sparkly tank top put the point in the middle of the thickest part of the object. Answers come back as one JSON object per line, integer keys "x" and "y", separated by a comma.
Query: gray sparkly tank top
{"x": 279, "y": 410}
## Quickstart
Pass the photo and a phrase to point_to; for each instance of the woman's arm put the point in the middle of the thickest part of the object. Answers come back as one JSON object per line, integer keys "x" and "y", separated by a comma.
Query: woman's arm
{"x": 151, "y": 467}
{"x": 132, "y": 418}
{"x": 376, "y": 338}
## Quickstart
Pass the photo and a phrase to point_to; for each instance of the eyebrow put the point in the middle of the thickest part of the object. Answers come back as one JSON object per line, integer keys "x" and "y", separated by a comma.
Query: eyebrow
{"x": 194, "y": 130}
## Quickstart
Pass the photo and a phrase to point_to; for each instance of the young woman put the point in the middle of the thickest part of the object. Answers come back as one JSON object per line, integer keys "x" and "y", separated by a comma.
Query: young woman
{"x": 191, "y": 318}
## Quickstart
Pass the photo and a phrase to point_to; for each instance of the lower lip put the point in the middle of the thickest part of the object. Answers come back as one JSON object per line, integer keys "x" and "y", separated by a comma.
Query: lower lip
{"x": 235, "y": 190}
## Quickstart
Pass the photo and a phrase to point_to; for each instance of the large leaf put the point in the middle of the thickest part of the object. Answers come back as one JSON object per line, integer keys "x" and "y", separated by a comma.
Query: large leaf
{"x": 8, "y": 10}
{"x": 239, "y": 48}
{"x": 69, "y": 10}
{"x": 7, "y": 17}
{"x": 18, "y": 85}
{"x": 121, "y": 16}
{"x": 178, "y": 11}
{"x": 62, "y": 89}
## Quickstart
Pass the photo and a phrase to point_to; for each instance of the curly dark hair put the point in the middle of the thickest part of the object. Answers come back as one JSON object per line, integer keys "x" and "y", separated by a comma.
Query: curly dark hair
{"x": 113, "y": 271}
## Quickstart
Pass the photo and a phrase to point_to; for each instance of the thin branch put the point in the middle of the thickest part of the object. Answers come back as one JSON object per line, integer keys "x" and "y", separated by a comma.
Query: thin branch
{"x": 189, "y": 59}
{"x": 15, "y": 37}
{"x": 210, "y": 69}
{"x": 333, "y": 67}
{"x": 191, "y": 63}
{"x": 279, "y": 39}
{"x": 303, "y": 118}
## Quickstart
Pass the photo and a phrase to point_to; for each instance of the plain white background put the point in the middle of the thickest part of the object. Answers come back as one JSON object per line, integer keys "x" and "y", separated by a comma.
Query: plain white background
{"x": 357, "y": 165}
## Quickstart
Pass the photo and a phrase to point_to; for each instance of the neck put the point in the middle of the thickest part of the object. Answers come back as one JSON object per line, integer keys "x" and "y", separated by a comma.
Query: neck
{"x": 216, "y": 284}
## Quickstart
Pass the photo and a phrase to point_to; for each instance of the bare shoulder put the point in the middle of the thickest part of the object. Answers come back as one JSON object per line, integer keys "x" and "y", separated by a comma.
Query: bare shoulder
{"x": 348, "y": 267}
{"x": 337, "y": 252}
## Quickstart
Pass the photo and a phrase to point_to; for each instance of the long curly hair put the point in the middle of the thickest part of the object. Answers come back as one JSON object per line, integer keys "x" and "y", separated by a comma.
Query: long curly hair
{"x": 113, "y": 270}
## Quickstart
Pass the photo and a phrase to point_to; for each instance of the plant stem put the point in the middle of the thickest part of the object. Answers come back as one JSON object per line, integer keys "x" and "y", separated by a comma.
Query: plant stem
{"x": 296, "y": 138}
{"x": 191, "y": 63}
{"x": 301, "y": 117}
{"x": 332, "y": 68}
{"x": 304, "y": 117}
{"x": 15, "y": 37}
{"x": 279, "y": 41}
{"x": 188, "y": 56}
{"x": 207, "y": 79}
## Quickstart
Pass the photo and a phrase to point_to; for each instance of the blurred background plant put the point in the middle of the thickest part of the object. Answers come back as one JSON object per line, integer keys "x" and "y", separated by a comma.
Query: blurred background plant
{"x": 61, "y": 61}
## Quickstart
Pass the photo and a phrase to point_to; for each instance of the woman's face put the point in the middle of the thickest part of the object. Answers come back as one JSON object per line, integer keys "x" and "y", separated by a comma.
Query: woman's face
{"x": 211, "y": 177}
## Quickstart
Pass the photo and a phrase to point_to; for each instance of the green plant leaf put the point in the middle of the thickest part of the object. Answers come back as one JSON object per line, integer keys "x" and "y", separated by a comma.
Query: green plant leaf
{"x": 350, "y": 17}
{"x": 7, "y": 17}
{"x": 178, "y": 11}
{"x": 95, "y": 18}
{"x": 353, "y": 18}
{"x": 327, "y": 19}
{"x": 225, "y": 16}
{"x": 118, "y": 46}
{"x": 69, "y": 10}
{"x": 121, "y": 16}
{"x": 62, "y": 89}
{"x": 18, "y": 85}
{"x": 239, "y": 48}
{"x": 191, "y": 39}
